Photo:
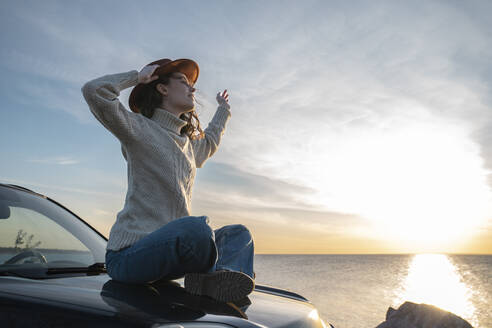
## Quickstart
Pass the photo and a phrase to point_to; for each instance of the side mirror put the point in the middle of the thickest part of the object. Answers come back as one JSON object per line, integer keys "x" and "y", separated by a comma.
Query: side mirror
{"x": 4, "y": 211}
{"x": 7, "y": 196}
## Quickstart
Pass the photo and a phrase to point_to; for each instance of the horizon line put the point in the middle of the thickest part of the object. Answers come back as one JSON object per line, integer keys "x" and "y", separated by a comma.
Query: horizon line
{"x": 438, "y": 253}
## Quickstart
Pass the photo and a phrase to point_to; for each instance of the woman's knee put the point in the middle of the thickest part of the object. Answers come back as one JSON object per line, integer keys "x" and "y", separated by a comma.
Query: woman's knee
{"x": 237, "y": 229}
{"x": 198, "y": 230}
{"x": 234, "y": 236}
{"x": 198, "y": 236}
{"x": 240, "y": 228}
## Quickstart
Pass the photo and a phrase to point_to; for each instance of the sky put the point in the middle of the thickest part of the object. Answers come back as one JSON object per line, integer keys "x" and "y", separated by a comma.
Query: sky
{"x": 357, "y": 126}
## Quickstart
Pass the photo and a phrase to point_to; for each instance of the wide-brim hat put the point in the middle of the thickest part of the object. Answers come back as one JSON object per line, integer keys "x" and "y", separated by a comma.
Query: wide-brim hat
{"x": 186, "y": 66}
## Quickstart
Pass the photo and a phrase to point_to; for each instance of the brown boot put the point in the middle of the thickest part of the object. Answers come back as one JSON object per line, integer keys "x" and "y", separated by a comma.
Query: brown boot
{"x": 224, "y": 286}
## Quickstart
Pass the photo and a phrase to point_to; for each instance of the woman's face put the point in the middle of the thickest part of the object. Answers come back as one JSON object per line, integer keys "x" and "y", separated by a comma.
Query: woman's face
{"x": 179, "y": 94}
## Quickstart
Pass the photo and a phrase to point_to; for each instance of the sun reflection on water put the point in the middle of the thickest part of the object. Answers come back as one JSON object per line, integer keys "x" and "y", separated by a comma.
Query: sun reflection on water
{"x": 433, "y": 279}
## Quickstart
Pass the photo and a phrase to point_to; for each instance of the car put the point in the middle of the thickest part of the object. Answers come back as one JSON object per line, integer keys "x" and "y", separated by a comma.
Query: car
{"x": 52, "y": 274}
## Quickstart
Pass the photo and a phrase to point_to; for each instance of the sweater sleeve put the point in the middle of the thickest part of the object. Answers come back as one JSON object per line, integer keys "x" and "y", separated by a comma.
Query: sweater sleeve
{"x": 205, "y": 147}
{"x": 102, "y": 94}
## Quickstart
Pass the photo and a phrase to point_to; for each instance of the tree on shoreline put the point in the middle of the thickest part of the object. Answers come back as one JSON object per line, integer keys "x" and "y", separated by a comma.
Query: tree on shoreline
{"x": 21, "y": 240}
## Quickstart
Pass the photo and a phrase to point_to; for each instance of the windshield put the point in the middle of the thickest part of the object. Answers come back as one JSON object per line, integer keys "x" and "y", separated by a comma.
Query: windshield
{"x": 36, "y": 232}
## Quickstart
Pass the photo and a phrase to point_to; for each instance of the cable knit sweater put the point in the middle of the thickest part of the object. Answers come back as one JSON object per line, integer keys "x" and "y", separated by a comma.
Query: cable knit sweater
{"x": 161, "y": 161}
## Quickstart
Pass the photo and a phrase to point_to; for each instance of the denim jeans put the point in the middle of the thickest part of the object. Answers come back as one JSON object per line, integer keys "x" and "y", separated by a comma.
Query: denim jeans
{"x": 187, "y": 244}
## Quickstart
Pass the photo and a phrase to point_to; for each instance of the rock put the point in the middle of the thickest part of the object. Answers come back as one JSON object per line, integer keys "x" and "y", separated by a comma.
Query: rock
{"x": 412, "y": 315}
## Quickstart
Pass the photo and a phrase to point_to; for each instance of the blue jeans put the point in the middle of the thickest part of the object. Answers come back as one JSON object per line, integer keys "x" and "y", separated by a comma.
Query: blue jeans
{"x": 187, "y": 244}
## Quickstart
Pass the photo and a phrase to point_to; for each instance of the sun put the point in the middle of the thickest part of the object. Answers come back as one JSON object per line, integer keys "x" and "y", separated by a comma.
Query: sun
{"x": 431, "y": 186}
{"x": 423, "y": 184}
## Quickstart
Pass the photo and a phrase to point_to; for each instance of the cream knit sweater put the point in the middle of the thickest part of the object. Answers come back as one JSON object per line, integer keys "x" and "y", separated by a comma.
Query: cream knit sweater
{"x": 161, "y": 162}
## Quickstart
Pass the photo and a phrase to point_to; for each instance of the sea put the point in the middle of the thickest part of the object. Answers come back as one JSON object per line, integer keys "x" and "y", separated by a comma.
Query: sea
{"x": 355, "y": 291}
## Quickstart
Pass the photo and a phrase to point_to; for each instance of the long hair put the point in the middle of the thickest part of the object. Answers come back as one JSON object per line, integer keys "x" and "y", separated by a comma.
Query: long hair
{"x": 153, "y": 99}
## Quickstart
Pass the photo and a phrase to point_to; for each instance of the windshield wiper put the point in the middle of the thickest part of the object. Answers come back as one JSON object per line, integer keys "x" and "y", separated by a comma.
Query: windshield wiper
{"x": 93, "y": 269}
{"x": 24, "y": 272}
{"x": 44, "y": 272}
{"x": 31, "y": 275}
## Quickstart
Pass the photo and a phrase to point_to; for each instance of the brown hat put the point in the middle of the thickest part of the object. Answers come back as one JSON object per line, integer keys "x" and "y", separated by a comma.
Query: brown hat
{"x": 186, "y": 66}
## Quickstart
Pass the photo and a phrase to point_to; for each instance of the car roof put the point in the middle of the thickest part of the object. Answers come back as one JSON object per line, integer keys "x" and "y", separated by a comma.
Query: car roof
{"x": 13, "y": 186}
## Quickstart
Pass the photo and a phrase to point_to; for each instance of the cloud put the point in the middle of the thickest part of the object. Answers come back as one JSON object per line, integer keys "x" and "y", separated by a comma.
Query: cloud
{"x": 226, "y": 192}
{"x": 223, "y": 183}
{"x": 41, "y": 188}
{"x": 53, "y": 55}
{"x": 59, "y": 160}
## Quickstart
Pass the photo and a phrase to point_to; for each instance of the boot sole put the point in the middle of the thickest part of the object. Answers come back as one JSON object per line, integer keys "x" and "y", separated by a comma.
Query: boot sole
{"x": 224, "y": 286}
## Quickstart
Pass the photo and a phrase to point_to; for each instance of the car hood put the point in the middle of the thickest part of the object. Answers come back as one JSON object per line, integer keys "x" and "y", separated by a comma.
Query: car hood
{"x": 165, "y": 301}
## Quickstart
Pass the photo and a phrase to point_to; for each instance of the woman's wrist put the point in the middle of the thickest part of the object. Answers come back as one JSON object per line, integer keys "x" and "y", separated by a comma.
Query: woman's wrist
{"x": 226, "y": 109}
{"x": 225, "y": 106}
{"x": 131, "y": 81}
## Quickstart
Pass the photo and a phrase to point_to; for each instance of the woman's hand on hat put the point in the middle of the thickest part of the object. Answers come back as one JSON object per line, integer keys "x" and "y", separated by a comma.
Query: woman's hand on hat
{"x": 223, "y": 99}
{"x": 145, "y": 75}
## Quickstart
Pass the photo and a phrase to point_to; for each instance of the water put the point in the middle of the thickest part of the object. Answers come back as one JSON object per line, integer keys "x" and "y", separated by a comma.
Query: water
{"x": 352, "y": 291}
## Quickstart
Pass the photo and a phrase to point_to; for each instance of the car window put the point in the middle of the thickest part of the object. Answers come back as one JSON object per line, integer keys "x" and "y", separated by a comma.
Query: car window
{"x": 34, "y": 229}
{"x": 26, "y": 229}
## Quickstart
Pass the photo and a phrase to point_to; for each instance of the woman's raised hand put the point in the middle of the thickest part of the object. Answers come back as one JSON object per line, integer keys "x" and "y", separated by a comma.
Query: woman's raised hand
{"x": 145, "y": 75}
{"x": 223, "y": 99}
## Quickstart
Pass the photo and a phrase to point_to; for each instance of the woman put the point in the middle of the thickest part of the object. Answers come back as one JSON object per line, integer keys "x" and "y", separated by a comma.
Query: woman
{"x": 154, "y": 236}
